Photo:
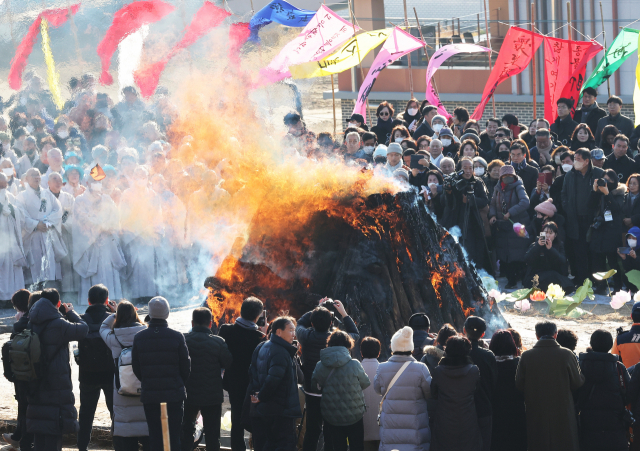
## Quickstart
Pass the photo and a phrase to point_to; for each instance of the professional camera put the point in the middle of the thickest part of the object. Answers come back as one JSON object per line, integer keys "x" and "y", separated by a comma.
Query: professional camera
{"x": 330, "y": 305}
{"x": 459, "y": 183}
{"x": 601, "y": 182}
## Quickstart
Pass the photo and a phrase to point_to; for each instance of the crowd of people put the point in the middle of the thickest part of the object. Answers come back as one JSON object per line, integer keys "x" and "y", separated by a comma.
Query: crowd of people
{"x": 315, "y": 381}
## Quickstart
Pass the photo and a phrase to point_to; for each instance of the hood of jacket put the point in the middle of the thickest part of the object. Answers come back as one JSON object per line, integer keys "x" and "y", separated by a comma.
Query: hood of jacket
{"x": 456, "y": 367}
{"x": 291, "y": 349}
{"x": 635, "y": 231}
{"x": 621, "y": 190}
{"x": 335, "y": 356}
{"x": 42, "y": 311}
{"x": 512, "y": 186}
{"x": 434, "y": 351}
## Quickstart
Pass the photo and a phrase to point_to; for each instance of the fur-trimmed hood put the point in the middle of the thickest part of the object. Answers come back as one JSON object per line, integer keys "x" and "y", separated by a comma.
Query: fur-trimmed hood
{"x": 433, "y": 351}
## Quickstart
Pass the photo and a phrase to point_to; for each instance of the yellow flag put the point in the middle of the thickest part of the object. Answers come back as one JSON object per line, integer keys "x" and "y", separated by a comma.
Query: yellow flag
{"x": 636, "y": 90}
{"x": 52, "y": 75}
{"x": 347, "y": 56}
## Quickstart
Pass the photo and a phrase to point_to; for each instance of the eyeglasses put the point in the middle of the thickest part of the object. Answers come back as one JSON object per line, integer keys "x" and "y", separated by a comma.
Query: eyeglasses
{"x": 384, "y": 114}
{"x": 500, "y": 135}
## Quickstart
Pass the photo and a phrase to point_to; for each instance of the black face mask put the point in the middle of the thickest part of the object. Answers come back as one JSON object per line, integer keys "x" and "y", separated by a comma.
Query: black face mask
{"x": 508, "y": 180}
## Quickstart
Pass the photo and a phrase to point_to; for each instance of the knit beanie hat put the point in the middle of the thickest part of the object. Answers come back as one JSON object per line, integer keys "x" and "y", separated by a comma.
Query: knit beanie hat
{"x": 507, "y": 169}
{"x": 402, "y": 341}
{"x": 158, "y": 308}
{"x": 482, "y": 161}
{"x": 546, "y": 208}
{"x": 401, "y": 173}
{"x": 446, "y": 131}
{"x": 439, "y": 117}
{"x": 381, "y": 151}
{"x": 394, "y": 148}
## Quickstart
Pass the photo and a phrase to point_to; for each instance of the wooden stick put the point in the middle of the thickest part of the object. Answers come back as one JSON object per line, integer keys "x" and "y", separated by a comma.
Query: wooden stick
{"x": 333, "y": 96}
{"x": 352, "y": 13}
{"x": 534, "y": 83}
{"x": 486, "y": 24}
{"x": 604, "y": 38}
{"x": 165, "y": 426}
{"x": 406, "y": 23}
{"x": 425, "y": 47}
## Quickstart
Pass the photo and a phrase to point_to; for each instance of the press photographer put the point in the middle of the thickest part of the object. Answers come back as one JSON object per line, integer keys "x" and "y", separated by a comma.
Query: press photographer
{"x": 465, "y": 196}
{"x": 312, "y": 333}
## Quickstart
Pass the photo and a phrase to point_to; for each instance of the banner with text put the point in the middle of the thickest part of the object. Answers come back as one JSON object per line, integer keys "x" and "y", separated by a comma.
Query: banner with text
{"x": 281, "y": 12}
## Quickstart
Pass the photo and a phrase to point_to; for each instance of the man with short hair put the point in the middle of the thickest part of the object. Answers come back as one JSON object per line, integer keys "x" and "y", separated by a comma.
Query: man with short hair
{"x": 51, "y": 411}
{"x": 627, "y": 344}
{"x": 354, "y": 151}
{"x": 313, "y": 331}
{"x": 564, "y": 125}
{"x": 210, "y": 356}
{"x": 475, "y": 328}
{"x": 435, "y": 150}
{"x": 624, "y": 125}
{"x": 95, "y": 363}
{"x": 597, "y": 157}
{"x": 488, "y": 137}
{"x": 54, "y": 157}
{"x": 357, "y": 121}
{"x": 274, "y": 389}
{"x": 428, "y": 112}
{"x": 590, "y": 113}
{"x": 29, "y": 156}
{"x": 548, "y": 374}
{"x": 420, "y": 323}
{"x": 619, "y": 161}
{"x": 576, "y": 191}
{"x": 241, "y": 338}
{"x": 524, "y": 170}
{"x": 160, "y": 360}
{"x": 541, "y": 152}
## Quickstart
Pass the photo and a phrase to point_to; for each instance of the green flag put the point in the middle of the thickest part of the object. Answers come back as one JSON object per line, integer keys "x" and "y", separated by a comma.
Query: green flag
{"x": 621, "y": 48}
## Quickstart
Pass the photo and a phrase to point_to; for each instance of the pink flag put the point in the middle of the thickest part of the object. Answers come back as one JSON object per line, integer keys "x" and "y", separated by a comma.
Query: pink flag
{"x": 436, "y": 61}
{"x": 324, "y": 33}
{"x": 395, "y": 46}
{"x": 565, "y": 63}
{"x": 238, "y": 34}
{"x": 126, "y": 21}
{"x": 55, "y": 17}
{"x": 208, "y": 16}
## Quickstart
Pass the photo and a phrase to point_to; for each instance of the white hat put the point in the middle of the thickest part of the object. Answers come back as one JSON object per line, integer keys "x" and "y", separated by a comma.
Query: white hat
{"x": 402, "y": 341}
{"x": 394, "y": 148}
{"x": 381, "y": 151}
{"x": 401, "y": 173}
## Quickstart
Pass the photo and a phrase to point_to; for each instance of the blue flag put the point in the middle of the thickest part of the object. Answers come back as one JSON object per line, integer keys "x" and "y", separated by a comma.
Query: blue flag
{"x": 281, "y": 12}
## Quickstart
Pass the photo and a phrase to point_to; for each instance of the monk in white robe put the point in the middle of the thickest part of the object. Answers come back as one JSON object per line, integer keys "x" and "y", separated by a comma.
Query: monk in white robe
{"x": 41, "y": 231}
{"x": 12, "y": 258}
{"x": 141, "y": 223}
{"x": 97, "y": 256}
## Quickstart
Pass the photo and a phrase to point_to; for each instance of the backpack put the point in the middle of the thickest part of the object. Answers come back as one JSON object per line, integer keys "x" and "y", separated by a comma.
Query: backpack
{"x": 93, "y": 353}
{"x": 126, "y": 381}
{"x": 27, "y": 359}
{"x": 6, "y": 361}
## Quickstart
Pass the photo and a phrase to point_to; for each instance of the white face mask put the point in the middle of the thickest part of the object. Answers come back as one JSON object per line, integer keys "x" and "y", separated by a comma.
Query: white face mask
{"x": 63, "y": 134}
{"x": 412, "y": 111}
{"x": 446, "y": 142}
{"x": 8, "y": 172}
{"x": 578, "y": 165}
{"x": 352, "y": 125}
{"x": 368, "y": 149}
{"x": 437, "y": 127}
{"x": 558, "y": 160}
{"x": 632, "y": 243}
{"x": 479, "y": 171}
{"x": 399, "y": 140}
{"x": 567, "y": 167}
{"x": 431, "y": 184}
{"x": 96, "y": 187}
{"x": 30, "y": 128}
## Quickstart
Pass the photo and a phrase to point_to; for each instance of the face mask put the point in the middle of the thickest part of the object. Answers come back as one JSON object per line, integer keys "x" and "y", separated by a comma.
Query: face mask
{"x": 431, "y": 184}
{"x": 8, "y": 172}
{"x": 30, "y": 128}
{"x": 63, "y": 134}
{"x": 437, "y": 127}
{"x": 632, "y": 243}
{"x": 558, "y": 160}
{"x": 399, "y": 140}
{"x": 446, "y": 142}
{"x": 412, "y": 111}
{"x": 96, "y": 187}
{"x": 507, "y": 180}
{"x": 479, "y": 172}
{"x": 578, "y": 165}
{"x": 368, "y": 149}
{"x": 352, "y": 125}
{"x": 567, "y": 167}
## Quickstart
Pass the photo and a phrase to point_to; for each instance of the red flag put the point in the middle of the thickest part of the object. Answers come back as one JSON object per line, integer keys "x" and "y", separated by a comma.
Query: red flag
{"x": 238, "y": 34}
{"x": 55, "y": 17}
{"x": 515, "y": 54}
{"x": 126, "y": 21}
{"x": 208, "y": 16}
{"x": 565, "y": 65}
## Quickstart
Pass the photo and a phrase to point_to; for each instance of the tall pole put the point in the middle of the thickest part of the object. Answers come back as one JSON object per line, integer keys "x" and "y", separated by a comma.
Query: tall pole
{"x": 406, "y": 24}
{"x": 604, "y": 38}
{"x": 333, "y": 98}
{"x": 486, "y": 25}
{"x": 533, "y": 62}
{"x": 352, "y": 12}
{"x": 569, "y": 31}
{"x": 426, "y": 52}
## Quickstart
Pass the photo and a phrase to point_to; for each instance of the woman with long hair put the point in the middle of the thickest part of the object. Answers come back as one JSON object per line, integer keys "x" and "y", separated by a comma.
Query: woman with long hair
{"x": 546, "y": 259}
{"x": 582, "y": 137}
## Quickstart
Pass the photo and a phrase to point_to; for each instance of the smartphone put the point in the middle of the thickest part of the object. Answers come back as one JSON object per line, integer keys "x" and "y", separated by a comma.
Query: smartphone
{"x": 624, "y": 250}
{"x": 543, "y": 235}
{"x": 415, "y": 162}
{"x": 545, "y": 177}
{"x": 263, "y": 319}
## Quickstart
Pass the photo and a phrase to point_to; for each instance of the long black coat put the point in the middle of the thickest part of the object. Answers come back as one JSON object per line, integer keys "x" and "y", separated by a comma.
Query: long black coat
{"x": 529, "y": 176}
{"x": 601, "y": 402}
{"x": 624, "y": 166}
{"x": 51, "y": 408}
{"x": 486, "y": 363}
{"x": 564, "y": 129}
{"x": 94, "y": 316}
{"x": 509, "y": 425}
{"x": 608, "y": 236}
{"x": 160, "y": 360}
{"x": 591, "y": 119}
{"x": 209, "y": 355}
{"x": 631, "y": 210}
{"x": 569, "y": 196}
{"x": 549, "y": 264}
{"x": 241, "y": 343}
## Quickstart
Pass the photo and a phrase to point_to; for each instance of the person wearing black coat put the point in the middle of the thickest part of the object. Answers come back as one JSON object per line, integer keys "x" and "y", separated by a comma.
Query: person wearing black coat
{"x": 602, "y": 399}
{"x": 564, "y": 125}
{"x": 615, "y": 117}
{"x": 96, "y": 370}
{"x": 631, "y": 208}
{"x": 160, "y": 360}
{"x": 51, "y": 411}
{"x": 634, "y": 138}
{"x": 241, "y": 338}
{"x": 474, "y": 329}
{"x": 546, "y": 259}
{"x": 209, "y": 357}
{"x": 312, "y": 332}
{"x": 619, "y": 161}
{"x": 525, "y": 171}
{"x": 384, "y": 125}
{"x": 590, "y": 112}
{"x": 274, "y": 390}
{"x": 509, "y": 425}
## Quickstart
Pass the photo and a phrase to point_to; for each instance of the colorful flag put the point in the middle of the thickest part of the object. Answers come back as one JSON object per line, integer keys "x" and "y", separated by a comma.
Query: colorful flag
{"x": 280, "y": 12}
{"x": 324, "y": 33}
{"x": 53, "y": 77}
{"x": 396, "y": 46}
{"x": 238, "y": 35}
{"x": 437, "y": 60}
{"x": 97, "y": 173}
{"x": 565, "y": 65}
{"x": 55, "y": 18}
{"x": 126, "y": 21}
{"x": 207, "y": 17}
{"x": 516, "y": 51}
{"x": 349, "y": 55}
{"x": 622, "y": 47}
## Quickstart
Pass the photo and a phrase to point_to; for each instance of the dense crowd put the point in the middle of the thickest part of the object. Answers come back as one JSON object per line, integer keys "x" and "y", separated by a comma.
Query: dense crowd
{"x": 314, "y": 382}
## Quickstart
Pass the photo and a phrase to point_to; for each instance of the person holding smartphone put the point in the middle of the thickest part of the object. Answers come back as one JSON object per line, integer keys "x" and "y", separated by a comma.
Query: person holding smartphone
{"x": 546, "y": 259}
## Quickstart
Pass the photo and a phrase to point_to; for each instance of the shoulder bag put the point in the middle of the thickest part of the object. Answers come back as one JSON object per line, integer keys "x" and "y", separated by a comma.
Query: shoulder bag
{"x": 393, "y": 381}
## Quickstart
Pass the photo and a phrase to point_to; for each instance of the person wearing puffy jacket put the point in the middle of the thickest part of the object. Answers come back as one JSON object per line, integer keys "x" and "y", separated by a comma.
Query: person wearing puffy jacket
{"x": 404, "y": 419}
{"x": 342, "y": 381}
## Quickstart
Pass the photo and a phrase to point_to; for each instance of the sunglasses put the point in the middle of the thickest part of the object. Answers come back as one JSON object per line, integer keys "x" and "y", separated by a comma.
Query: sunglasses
{"x": 500, "y": 135}
{"x": 384, "y": 114}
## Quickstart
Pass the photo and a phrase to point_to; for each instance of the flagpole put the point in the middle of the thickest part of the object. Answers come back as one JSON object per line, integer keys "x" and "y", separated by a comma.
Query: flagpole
{"x": 426, "y": 52}
{"x": 406, "y": 23}
{"x": 486, "y": 25}
{"x": 604, "y": 38}
{"x": 352, "y": 13}
{"x": 533, "y": 61}
{"x": 333, "y": 97}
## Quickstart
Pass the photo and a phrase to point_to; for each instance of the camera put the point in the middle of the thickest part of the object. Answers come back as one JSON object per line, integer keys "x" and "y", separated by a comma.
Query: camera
{"x": 601, "y": 182}
{"x": 459, "y": 183}
{"x": 597, "y": 222}
{"x": 330, "y": 305}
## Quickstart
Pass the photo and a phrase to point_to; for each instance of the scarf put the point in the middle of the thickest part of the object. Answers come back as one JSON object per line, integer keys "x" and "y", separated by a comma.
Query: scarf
{"x": 240, "y": 321}
{"x": 519, "y": 166}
